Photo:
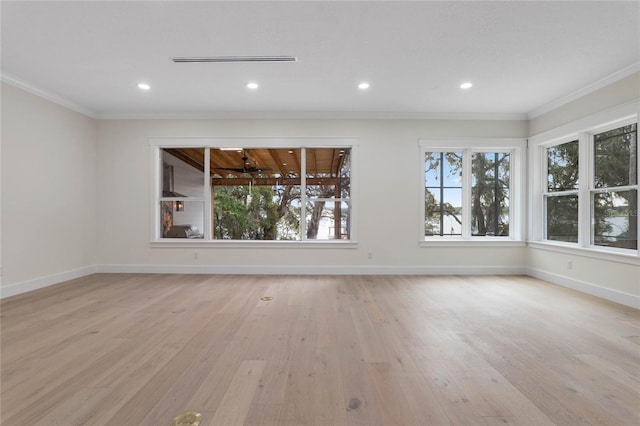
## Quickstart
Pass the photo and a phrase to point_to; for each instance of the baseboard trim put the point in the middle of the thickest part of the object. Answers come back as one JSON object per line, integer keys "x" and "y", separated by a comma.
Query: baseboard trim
{"x": 46, "y": 281}
{"x": 588, "y": 288}
{"x": 582, "y": 286}
{"x": 313, "y": 270}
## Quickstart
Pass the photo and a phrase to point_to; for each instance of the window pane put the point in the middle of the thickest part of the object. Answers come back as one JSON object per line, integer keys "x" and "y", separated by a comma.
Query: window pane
{"x": 182, "y": 219}
{"x": 615, "y": 219}
{"x": 255, "y": 212}
{"x": 562, "y": 167}
{"x": 443, "y": 193}
{"x": 490, "y": 194}
{"x": 443, "y": 219}
{"x": 562, "y": 218}
{"x": 256, "y": 193}
{"x": 252, "y": 163}
{"x": 443, "y": 169}
{"x": 183, "y": 172}
{"x": 328, "y": 172}
{"x": 328, "y": 220}
{"x": 616, "y": 161}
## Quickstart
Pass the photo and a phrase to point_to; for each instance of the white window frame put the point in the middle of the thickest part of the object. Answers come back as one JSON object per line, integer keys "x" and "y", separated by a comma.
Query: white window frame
{"x": 157, "y": 144}
{"x": 517, "y": 188}
{"x": 591, "y": 190}
{"x": 582, "y": 130}
{"x": 546, "y": 193}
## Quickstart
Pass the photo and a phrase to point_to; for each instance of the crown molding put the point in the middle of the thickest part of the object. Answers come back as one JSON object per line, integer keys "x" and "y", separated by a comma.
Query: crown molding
{"x": 319, "y": 115}
{"x": 611, "y": 78}
{"x": 260, "y": 115}
{"x": 52, "y": 97}
{"x": 324, "y": 115}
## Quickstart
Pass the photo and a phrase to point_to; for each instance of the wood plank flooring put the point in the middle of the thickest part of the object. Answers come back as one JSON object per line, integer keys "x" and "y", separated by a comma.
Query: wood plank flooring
{"x": 124, "y": 349}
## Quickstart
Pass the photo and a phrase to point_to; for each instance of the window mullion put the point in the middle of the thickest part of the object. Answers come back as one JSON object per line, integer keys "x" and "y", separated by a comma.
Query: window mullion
{"x": 441, "y": 193}
{"x": 303, "y": 193}
{"x": 585, "y": 183}
{"x": 208, "y": 210}
{"x": 157, "y": 190}
{"x": 466, "y": 194}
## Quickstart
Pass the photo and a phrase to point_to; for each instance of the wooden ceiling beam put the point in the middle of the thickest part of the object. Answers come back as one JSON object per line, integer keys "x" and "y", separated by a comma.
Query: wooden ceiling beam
{"x": 260, "y": 181}
{"x": 274, "y": 156}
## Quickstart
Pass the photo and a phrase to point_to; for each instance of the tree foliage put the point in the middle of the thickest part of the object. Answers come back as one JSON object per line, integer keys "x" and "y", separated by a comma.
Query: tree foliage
{"x": 253, "y": 212}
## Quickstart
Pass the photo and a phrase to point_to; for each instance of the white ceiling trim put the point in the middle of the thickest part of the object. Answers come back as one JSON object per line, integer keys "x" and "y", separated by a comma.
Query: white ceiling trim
{"x": 318, "y": 115}
{"x": 60, "y": 100}
{"x": 612, "y": 78}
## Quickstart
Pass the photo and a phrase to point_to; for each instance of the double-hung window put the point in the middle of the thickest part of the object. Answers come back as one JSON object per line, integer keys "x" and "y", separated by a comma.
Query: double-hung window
{"x": 561, "y": 192}
{"x": 590, "y": 194}
{"x": 472, "y": 190}
{"x": 253, "y": 190}
{"x": 614, "y": 189}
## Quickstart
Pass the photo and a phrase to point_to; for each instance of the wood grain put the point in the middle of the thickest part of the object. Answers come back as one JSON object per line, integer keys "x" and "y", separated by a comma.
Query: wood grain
{"x": 125, "y": 349}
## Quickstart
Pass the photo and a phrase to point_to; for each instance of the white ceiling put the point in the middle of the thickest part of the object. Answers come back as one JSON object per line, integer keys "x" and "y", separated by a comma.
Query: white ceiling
{"x": 520, "y": 56}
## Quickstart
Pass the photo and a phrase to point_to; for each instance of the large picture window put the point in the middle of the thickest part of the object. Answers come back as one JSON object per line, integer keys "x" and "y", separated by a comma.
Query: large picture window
{"x": 255, "y": 193}
{"x": 468, "y": 191}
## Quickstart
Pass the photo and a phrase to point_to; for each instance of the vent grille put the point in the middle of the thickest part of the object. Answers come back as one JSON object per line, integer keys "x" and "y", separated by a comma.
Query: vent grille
{"x": 190, "y": 59}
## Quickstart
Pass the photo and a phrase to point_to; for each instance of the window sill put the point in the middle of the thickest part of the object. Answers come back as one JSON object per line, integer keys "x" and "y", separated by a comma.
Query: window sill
{"x": 597, "y": 253}
{"x": 473, "y": 242}
{"x": 191, "y": 243}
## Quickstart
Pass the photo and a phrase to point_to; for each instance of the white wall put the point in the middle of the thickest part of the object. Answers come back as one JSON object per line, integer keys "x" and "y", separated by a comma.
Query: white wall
{"x": 48, "y": 192}
{"x": 388, "y": 184}
{"x": 610, "y": 96}
{"x": 614, "y": 277}
{"x": 64, "y": 210}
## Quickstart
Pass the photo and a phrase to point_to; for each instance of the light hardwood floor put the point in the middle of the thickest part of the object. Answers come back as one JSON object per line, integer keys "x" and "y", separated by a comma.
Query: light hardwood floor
{"x": 327, "y": 350}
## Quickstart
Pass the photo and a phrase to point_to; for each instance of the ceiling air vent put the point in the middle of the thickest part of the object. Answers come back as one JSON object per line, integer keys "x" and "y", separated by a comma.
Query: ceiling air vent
{"x": 235, "y": 59}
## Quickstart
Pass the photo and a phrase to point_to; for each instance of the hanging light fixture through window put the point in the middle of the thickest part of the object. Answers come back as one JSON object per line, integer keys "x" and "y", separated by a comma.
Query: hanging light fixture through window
{"x": 179, "y": 206}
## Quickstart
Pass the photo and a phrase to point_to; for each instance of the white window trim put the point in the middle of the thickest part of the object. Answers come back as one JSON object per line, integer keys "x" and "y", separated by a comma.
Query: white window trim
{"x": 517, "y": 187}
{"x": 582, "y": 130}
{"x": 157, "y": 143}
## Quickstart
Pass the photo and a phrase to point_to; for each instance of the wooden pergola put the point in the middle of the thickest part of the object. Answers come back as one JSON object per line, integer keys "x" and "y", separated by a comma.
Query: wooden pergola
{"x": 266, "y": 166}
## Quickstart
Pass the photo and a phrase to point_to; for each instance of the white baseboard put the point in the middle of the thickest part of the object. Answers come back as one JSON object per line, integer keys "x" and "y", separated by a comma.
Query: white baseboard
{"x": 37, "y": 283}
{"x": 592, "y": 289}
{"x": 313, "y": 270}
{"x": 585, "y": 287}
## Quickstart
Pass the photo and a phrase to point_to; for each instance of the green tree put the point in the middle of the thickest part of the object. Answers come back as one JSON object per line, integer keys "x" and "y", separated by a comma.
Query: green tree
{"x": 230, "y": 214}
{"x": 254, "y": 212}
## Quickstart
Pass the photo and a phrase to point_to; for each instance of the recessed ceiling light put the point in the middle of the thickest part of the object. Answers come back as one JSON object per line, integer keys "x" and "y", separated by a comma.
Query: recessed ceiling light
{"x": 252, "y": 86}
{"x": 363, "y": 86}
{"x": 466, "y": 85}
{"x": 143, "y": 86}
